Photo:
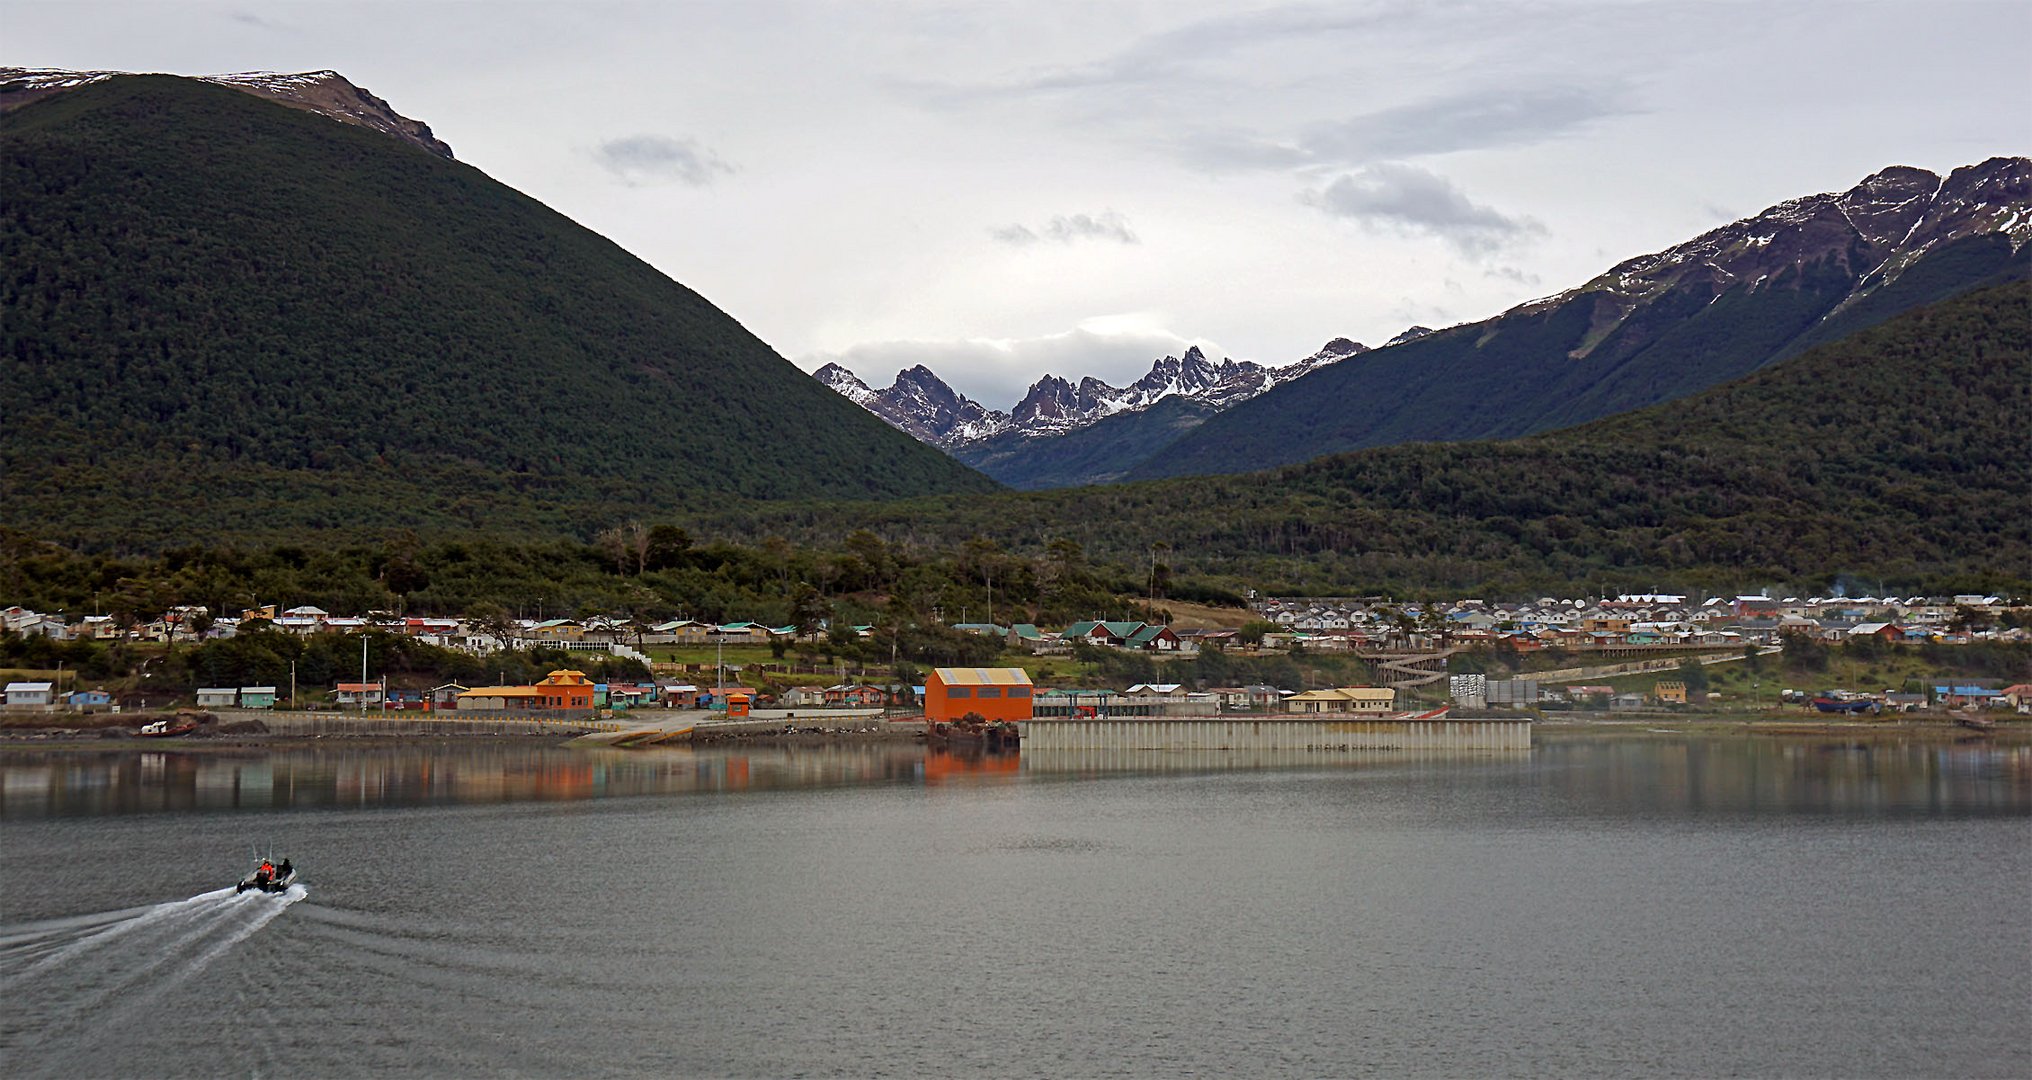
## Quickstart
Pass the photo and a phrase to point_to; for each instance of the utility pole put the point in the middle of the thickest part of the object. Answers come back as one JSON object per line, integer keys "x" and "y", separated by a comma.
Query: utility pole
{"x": 363, "y": 674}
{"x": 292, "y": 685}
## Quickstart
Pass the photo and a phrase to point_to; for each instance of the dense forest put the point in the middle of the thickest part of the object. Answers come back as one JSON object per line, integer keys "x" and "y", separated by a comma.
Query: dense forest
{"x": 228, "y": 318}
{"x": 1896, "y": 457}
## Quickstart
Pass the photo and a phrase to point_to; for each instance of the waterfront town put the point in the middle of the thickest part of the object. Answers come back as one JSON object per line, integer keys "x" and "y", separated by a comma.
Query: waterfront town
{"x": 1557, "y": 653}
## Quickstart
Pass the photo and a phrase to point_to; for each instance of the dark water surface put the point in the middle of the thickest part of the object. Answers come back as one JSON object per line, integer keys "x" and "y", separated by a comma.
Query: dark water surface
{"x": 1600, "y": 906}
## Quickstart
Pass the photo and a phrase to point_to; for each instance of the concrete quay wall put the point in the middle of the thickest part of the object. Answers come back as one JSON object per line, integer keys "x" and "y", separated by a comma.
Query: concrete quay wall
{"x": 1274, "y": 734}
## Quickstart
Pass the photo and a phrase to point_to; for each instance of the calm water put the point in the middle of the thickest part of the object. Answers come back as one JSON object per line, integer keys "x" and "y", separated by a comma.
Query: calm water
{"x": 1606, "y": 906}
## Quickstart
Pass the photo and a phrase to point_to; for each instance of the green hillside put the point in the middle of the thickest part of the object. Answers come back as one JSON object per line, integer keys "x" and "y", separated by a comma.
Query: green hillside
{"x": 1099, "y": 453}
{"x": 228, "y": 317}
{"x": 1898, "y": 455}
{"x": 1515, "y": 375}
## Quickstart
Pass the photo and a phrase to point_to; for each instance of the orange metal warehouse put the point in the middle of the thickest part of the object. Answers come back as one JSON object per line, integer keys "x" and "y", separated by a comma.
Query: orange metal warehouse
{"x": 991, "y": 693}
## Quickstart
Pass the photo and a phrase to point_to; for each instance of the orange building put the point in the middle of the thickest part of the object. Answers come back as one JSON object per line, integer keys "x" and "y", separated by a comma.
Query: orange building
{"x": 566, "y": 690}
{"x": 991, "y": 693}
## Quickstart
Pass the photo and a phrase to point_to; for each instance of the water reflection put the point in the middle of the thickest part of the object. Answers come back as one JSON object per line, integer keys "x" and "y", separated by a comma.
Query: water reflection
{"x": 77, "y": 782}
{"x": 1798, "y": 774}
{"x": 1616, "y": 774}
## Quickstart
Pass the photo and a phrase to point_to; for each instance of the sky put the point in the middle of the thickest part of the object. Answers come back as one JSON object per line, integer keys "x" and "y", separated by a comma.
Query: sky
{"x": 1001, "y": 190}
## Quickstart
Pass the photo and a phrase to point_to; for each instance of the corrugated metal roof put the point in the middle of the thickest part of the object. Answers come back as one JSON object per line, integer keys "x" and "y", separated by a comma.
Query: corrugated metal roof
{"x": 983, "y": 676}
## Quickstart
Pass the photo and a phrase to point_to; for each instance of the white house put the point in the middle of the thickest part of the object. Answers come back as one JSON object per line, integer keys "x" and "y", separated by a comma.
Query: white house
{"x": 30, "y": 695}
{"x": 218, "y": 697}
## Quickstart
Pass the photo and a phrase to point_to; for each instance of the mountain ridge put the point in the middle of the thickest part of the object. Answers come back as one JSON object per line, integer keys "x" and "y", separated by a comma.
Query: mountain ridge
{"x": 363, "y": 335}
{"x": 925, "y": 406}
{"x": 325, "y": 92}
{"x": 1652, "y": 328}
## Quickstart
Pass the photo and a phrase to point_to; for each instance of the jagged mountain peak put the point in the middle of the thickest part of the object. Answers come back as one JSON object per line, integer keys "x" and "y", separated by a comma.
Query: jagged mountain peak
{"x": 325, "y": 92}
{"x": 925, "y": 406}
{"x": 1412, "y": 333}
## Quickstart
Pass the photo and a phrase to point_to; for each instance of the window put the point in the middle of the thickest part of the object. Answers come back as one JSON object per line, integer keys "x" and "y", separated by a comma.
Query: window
{"x": 958, "y": 692}
{"x": 990, "y": 691}
{"x": 1019, "y": 691}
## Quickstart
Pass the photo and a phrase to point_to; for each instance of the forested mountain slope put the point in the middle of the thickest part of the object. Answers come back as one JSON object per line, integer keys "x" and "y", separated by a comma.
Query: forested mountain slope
{"x": 1651, "y": 329}
{"x": 228, "y": 317}
{"x": 1899, "y": 454}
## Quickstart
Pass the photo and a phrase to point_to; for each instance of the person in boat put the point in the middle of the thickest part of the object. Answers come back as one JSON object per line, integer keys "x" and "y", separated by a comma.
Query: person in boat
{"x": 265, "y": 873}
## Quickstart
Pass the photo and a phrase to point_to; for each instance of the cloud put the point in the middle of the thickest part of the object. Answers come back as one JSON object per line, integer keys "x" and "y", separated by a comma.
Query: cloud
{"x": 1064, "y": 230}
{"x": 656, "y": 159}
{"x": 1466, "y": 120}
{"x": 998, "y": 371}
{"x": 248, "y": 18}
{"x": 1410, "y": 199}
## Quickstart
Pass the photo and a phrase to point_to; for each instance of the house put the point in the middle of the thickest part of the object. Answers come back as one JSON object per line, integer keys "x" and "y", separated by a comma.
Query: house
{"x": 856, "y": 697}
{"x": 566, "y": 689}
{"x": 30, "y": 695}
{"x": 257, "y": 697}
{"x": 678, "y": 695}
{"x": 1669, "y": 692}
{"x": 2019, "y": 697}
{"x": 982, "y": 628}
{"x": 1029, "y": 638}
{"x": 680, "y": 632}
{"x": 1153, "y": 638}
{"x": 557, "y": 630}
{"x": 1115, "y": 634}
{"x": 89, "y": 699}
{"x": 991, "y": 693}
{"x": 361, "y": 694}
{"x": 500, "y": 699}
{"x": 743, "y": 633}
{"x": 719, "y": 697}
{"x": 218, "y": 697}
{"x": 1354, "y": 700}
{"x": 1960, "y": 697}
{"x": 799, "y": 697}
{"x": 446, "y": 696}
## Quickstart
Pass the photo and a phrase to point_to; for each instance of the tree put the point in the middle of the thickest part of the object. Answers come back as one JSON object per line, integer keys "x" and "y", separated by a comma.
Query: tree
{"x": 492, "y": 621}
{"x": 1694, "y": 674}
{"x": 1251, "y": 632}
{"x": 808, "y": 610}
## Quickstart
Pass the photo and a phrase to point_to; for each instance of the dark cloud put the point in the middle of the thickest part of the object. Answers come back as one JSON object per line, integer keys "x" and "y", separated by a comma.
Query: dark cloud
{"x": 1410, "y": 199}
{"x": 1065, "y": 229}
{"x": 656, "y": 159}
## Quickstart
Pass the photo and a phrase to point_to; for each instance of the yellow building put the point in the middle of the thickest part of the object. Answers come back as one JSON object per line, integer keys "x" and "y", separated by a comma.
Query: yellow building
{"x": 1354, "y": 700}
{"x": 1669, "y": 692}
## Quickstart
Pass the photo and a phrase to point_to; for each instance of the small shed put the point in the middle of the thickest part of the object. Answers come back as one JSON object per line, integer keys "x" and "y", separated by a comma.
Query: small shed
{"x": 257, "y": 697}
{"x": 218, "y": 697}
{"x": 30, "y": 695}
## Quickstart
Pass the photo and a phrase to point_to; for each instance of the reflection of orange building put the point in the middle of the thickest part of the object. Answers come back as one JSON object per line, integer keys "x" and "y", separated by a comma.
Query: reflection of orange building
{"x": 566, "y": 690}
{"x": 991, "y": 693}
{"x": 943, "y": 766}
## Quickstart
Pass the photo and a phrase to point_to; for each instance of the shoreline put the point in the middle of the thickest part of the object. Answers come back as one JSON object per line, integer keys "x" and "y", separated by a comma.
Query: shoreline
{"x": 18, "y": 738}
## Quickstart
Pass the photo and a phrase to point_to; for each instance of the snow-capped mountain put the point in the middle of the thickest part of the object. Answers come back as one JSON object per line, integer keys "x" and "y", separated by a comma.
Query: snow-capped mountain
{"x": 326, "y": 93}
{"x": 1868, "y": 235}
{"x": 921, "y": 403}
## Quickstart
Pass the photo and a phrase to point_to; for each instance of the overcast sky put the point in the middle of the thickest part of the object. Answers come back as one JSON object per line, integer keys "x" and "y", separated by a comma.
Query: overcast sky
{"x": 1000, "y": 190}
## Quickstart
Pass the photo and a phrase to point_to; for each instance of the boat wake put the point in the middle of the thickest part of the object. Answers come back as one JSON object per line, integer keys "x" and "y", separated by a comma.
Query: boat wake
{"x": 86, "y": 971}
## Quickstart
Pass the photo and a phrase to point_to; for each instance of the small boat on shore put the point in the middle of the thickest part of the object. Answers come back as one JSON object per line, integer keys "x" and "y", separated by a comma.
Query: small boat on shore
{"x": 1847, "y": 706}
{"x": 165, "y": 729}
